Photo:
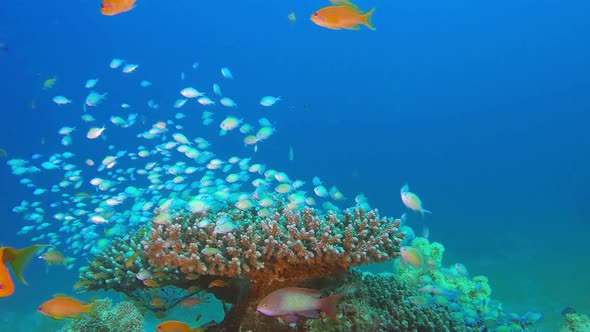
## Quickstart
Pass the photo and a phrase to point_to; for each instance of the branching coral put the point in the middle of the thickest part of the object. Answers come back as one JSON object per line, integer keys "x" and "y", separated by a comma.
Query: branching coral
{"x": 286, "y": 246}
{"x": 255, "y": 254}
{"x": 123, "y": 268}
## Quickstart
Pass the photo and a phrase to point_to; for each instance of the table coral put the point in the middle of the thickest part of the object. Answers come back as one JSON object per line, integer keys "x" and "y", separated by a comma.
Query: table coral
{"x": 288, "y": 245}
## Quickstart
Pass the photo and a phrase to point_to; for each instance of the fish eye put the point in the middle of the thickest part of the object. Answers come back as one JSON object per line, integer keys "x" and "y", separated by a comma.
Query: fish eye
{"x": 40, "y": 308}
{"x": 315, "y": 14}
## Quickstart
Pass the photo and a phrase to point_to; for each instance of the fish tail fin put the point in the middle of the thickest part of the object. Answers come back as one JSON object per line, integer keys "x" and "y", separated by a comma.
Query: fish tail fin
{"x": 20, "y": 258}
{"x": 328, "y": 305}
{"x": 368, "y": 19}
{"x": 90, "y": 308}
{"x": 425, "y": 211}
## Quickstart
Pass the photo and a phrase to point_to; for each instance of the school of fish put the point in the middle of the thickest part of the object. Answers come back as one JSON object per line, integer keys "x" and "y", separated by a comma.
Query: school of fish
{"x": 91, "y": 190}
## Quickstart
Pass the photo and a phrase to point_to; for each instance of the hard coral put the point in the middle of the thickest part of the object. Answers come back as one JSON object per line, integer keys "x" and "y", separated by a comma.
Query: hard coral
{"x": 370, "y": 303}
{"x": 106, "y": 318}
{"x": 286, "y": 246}
{"x": 381, "y": 302}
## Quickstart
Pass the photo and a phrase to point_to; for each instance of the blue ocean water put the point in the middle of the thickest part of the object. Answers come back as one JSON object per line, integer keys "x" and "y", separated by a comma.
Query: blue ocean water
{"x": 481, "y": 108}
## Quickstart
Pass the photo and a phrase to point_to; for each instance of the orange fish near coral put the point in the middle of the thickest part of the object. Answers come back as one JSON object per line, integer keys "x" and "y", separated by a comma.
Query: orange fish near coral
{"x": 412, "y": 256}
{"x": 115, "y": 7}
{"x": 61, "y": 307}
{"x": 192, "y": 301}
{"x": 342, "y": 15}
{"x": 151, "y": 283}
{"x": 175, "y": 326}
{"x": 218, "y": 283}
{"x": 158, "y": 303}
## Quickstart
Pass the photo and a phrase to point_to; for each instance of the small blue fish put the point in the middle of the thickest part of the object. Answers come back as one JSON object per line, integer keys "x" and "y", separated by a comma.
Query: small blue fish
{"x": 48, "y": 165}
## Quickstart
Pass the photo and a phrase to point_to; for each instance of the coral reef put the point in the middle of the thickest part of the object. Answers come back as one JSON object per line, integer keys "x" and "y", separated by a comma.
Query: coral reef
{"x": 467, "y": 298}
{"x": 288, "y": 245}
{"x": 255, "y": 255}
{"x": 382, "y": 302}
{"x": 108, "y": 318}
{"x": 371, "y": 303}
{"x": 251, "y": 255}
{"x": 123, "y": 268}
{"x": 576, "y": 322}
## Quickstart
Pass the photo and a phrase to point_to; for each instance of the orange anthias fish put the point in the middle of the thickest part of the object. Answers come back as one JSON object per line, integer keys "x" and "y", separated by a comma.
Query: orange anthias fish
{"x": 18, "y": 260}
{"x": 6, "y": 284}
{"x": 218, "y": 283}
{"x": 61, "y": 307}
{"x": 115, "y": 7}
{"x": 342, "y": 15}
{"x": 175, "y": 326}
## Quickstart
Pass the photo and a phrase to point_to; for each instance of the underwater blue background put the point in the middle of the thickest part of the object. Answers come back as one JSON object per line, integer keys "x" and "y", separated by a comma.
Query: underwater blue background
{"x": 481, "y": 107}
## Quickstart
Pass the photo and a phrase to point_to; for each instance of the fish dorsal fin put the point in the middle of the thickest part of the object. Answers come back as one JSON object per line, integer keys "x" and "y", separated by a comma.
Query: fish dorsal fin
{"x": 341, "y": 2}
{"x": 307, "y": 291}
{"x": 347, "y": 3}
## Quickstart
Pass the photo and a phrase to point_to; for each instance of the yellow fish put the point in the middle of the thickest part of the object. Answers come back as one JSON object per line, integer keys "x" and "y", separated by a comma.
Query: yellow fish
{"x": 53, "y": 257}
{"x": 412, "y": 256}
{"x": 49, "y": 83}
